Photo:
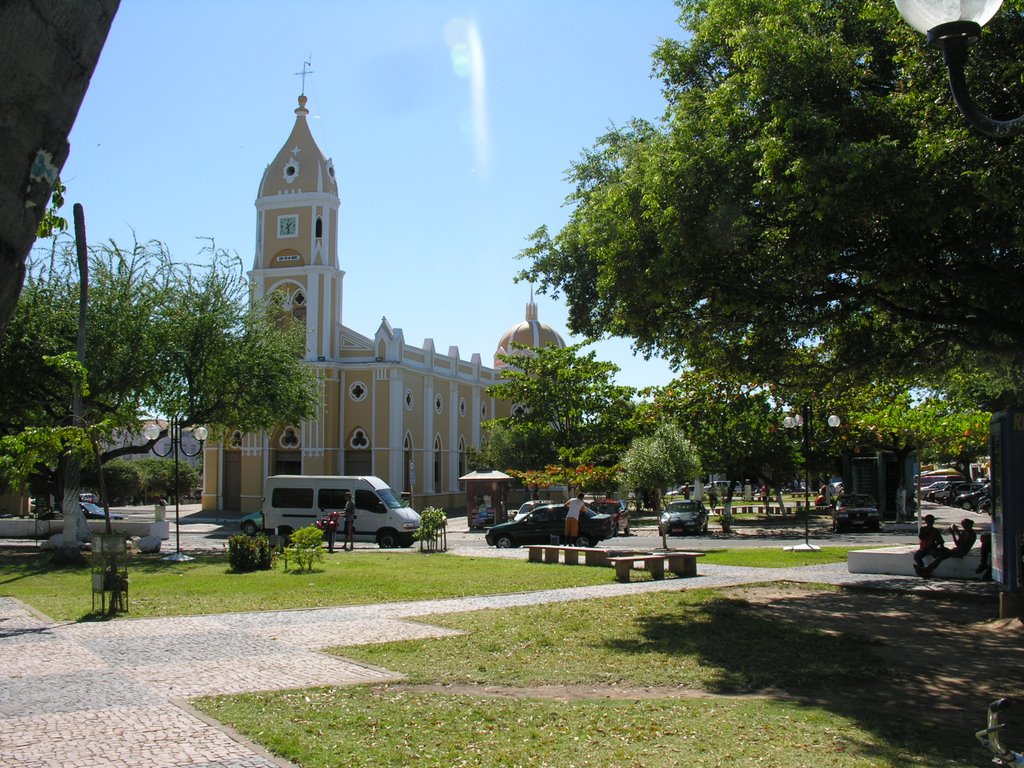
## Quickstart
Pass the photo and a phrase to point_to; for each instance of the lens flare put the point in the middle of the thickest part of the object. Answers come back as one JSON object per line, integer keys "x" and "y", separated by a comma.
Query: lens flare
{"x": 467, "y": 54}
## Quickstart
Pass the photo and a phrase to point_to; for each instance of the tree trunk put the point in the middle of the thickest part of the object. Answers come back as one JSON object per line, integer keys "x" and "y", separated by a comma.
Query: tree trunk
{"x": 48, "y": 51}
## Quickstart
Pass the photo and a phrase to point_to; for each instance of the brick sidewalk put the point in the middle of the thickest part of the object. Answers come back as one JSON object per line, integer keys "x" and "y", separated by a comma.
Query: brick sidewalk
{"x": 111, "y": 694}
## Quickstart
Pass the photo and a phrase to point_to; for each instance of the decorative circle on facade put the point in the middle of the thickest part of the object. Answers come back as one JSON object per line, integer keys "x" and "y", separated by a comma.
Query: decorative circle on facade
{"x": 518, "y": 410}
{"x": 462, "y": 406}
{"x": 234, "y": 442}
{"x": 438, "y": 403}
{"x": 408, "y": 400}
{"x": 290, "y": 438}
{"x": 359, "y": 440}
{"x": 357, "y": 391}
{"x": 291, "y": 170}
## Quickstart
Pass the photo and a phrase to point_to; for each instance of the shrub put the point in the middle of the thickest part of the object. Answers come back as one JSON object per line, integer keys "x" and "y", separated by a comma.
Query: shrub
{"x": 307, "y": 547}
{"x": 250, "y": 553}
{"x": 432, "y": 522}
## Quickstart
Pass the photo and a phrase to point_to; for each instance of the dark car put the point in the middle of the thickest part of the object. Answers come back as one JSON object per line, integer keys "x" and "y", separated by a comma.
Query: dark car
{"x": 543, "y": 522}
{"x": 682, "y": 517}
{"x": 616, "y": 509}
{"x": 94, "y": 512}
{"x": 856, "y": 510}
{"x": 973, "y": 499}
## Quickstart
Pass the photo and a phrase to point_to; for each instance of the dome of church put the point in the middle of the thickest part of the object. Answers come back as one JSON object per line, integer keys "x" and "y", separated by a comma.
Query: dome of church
{"x": 531, "y": 332}
{"x": 300, "y": 167}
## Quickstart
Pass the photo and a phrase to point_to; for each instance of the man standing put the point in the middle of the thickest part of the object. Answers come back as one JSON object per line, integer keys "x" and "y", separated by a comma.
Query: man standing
{"x": 350, "y": 522}
{"x": 572, "y": 518}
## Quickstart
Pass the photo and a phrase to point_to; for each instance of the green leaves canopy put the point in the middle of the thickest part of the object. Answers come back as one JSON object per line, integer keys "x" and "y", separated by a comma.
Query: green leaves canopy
{"x": 809, "y": 183}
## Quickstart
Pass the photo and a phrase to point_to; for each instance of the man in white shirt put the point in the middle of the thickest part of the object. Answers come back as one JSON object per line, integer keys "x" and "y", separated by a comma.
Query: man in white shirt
{"x": 572, "y": 518}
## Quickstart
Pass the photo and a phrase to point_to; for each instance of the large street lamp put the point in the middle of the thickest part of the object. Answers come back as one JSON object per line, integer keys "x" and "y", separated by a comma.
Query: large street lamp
{"x": 802, "y": 421}
{"x": 152, "y": 432}
{"x": 953, "y": 26}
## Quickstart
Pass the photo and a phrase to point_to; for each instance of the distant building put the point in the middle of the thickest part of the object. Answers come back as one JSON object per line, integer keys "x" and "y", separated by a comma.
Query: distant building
{"x": 405, "y": 413}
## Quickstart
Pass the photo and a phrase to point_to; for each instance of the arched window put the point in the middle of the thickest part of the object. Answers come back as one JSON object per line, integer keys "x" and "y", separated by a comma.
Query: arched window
{"x": 319, "y": 227}
{"x": 437, "y": 462}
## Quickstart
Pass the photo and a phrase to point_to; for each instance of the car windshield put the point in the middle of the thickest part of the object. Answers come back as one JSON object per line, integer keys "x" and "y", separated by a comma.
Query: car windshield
{"x": 684, "y": 509}
{"x": 857, "y": 500}
{"x": 391, "y": 501}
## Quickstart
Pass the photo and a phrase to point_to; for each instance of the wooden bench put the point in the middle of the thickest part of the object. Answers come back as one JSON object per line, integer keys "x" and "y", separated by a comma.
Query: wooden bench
{"x": 680, "y": 563}
{"x": 551, "y": 553}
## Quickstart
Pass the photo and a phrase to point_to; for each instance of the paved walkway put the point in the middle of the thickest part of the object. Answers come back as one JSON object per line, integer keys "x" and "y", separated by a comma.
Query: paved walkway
{"x": 113, "y": 694}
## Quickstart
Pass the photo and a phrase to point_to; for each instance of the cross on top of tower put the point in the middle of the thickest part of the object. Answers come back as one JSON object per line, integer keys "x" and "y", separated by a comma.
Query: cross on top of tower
{"x": 304, "y": 72}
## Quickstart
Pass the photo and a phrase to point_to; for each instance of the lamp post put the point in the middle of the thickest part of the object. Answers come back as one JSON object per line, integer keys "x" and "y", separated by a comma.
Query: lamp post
{"x": 802, "y": 421}
{"x": 152, "y": 432}
{"x": 953, "y": 27}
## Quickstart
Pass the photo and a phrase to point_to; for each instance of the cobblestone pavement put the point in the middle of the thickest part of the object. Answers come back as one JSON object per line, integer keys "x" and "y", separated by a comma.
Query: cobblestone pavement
{"x": 114, "y": 694}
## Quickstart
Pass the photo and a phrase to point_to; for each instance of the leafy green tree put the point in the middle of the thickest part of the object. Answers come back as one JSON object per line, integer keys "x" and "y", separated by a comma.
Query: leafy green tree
{"x": 162, "y": 338}
{"x": 664, "y": 458}
{"x": 809, "y": 182}
{"x": 515, "y": 447}
{"x": 567, "y": 400}
{"x": 733, "y": 426}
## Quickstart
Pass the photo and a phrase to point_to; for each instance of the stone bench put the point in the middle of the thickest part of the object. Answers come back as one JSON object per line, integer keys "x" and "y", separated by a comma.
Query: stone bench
{"x": 899, "y": 561}
{"x": 551, "y": 553}
{"x": 682, "y": 564}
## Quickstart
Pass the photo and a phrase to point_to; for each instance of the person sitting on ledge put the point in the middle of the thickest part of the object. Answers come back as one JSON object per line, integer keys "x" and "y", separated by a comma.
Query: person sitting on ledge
{"x": 929, "y": 542}
{"x": 963, "y": 540}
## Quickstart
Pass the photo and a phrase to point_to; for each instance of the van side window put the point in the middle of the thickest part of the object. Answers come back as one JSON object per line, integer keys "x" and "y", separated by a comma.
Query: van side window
{"x": 296, "y": 498}
{"x": 368, "y": 500}
{"x": 331, "y": 498}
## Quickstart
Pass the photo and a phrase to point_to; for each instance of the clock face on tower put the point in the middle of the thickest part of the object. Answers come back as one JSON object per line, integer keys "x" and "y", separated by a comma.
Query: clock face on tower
{"x": 287, "y": 226}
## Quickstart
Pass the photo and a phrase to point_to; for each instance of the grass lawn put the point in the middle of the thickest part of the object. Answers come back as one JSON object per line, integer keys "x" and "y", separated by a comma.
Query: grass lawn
{"x": 696, "y": 678}
{"x": 158, "y": 587}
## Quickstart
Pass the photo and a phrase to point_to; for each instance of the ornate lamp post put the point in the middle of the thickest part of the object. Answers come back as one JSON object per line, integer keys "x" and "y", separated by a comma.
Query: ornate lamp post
{"x": 802, "y": 421}
{"x": 953, "y": 27}
{"x": 152, "y": 432}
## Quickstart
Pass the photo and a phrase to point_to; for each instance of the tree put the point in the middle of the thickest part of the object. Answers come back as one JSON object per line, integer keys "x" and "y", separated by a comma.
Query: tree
{"x": 567, "y": 400}
{"x": 162, "y": 339}
{"x": 659, "y": 460}
{"x": 733, "y": 426}
{"x": 810, "y": 183}
{"x": 48, "y": 51}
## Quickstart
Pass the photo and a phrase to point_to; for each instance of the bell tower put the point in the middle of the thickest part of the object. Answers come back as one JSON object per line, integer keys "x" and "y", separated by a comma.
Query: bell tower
{"x": 297, "y": 237}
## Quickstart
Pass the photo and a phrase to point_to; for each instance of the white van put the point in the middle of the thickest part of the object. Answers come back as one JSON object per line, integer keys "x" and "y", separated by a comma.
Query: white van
{"x": 291, "y": 502}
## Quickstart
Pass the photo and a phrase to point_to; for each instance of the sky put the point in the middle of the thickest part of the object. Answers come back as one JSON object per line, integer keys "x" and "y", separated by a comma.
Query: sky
{"x": 451, "y": 126}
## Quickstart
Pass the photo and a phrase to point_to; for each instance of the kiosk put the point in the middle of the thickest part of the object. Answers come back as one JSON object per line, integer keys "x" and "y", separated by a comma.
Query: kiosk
{"x": 486, "y": 497}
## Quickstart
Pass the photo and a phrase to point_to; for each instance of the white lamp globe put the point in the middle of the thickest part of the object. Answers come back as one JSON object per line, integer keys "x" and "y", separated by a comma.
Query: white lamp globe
{"x": 834, "y": 421}
{"x": 151, "y": 431}
{"x": 924, "y": 15}
{"x": 200, "y": 433}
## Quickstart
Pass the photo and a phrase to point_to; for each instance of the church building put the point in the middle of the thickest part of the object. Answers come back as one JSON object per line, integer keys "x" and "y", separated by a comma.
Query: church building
{"x": 407, "y": 414}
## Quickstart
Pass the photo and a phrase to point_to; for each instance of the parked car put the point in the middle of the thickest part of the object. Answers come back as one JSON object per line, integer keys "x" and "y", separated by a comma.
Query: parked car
{"x": 252, "y": 523}
{"x": 974, "y": 498}
{"x": 91, "y": 498}
{"x": 682, "y": 517}
{"x": 856, "y": 510}
{"x": 95, "y": 512}
{"x": 547, "y": 520}
{"x": 617, "y": 510}
{"x": 528, "y": 506}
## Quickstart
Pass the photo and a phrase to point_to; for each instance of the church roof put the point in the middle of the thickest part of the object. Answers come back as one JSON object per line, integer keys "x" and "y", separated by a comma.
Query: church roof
{"x": 300, "y": 167}
{"x": 531, "y": 332}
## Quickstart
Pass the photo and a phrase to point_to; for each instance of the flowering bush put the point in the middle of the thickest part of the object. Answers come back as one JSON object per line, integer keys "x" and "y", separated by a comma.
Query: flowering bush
{"x": 307, "y": 547}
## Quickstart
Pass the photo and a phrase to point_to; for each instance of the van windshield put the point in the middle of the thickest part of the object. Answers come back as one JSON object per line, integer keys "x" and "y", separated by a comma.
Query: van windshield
{"x": 391, "y": 501}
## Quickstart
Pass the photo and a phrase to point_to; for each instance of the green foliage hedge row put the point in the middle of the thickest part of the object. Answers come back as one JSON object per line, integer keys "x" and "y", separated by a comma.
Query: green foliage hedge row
{"x": 250, "y": 553}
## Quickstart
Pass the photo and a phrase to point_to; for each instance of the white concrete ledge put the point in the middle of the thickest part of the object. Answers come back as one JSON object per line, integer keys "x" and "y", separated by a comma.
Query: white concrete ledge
{"x": 899, "y": 561}
{"x": 27, "y": 528}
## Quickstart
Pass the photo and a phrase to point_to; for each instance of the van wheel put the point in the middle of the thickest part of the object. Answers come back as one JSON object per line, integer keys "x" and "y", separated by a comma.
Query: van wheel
{"x": 285, "y": 532}
{"x": 387, "y": 539}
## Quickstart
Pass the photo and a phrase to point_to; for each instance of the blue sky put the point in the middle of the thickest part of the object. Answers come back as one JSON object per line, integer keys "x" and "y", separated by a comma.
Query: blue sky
{"x": 451, "y": 125}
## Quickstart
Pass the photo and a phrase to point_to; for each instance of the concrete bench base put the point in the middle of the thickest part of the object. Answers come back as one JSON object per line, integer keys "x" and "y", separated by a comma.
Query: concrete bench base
{"x": 550, "y": 553}
{"x": 682, "y": 564}
{"x": 899, "y": 561}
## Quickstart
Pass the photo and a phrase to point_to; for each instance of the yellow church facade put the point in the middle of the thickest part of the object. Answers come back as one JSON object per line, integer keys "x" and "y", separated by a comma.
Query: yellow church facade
{"x": 407, "y": 414}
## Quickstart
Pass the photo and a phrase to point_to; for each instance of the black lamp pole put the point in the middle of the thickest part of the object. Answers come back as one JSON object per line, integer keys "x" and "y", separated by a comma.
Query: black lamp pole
{"x": 951, "y": 33}
{"x": 803, "y": 421}
{"x": 152, "y": 432}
